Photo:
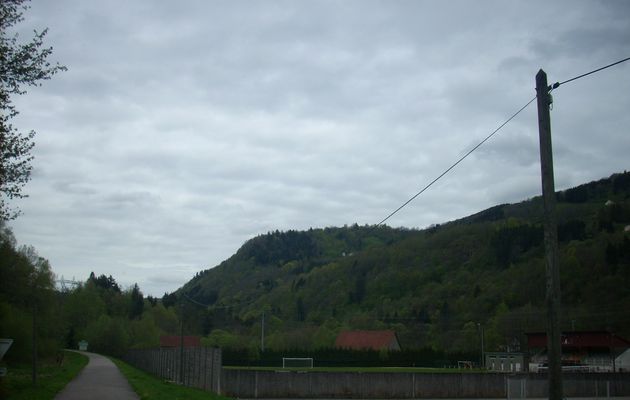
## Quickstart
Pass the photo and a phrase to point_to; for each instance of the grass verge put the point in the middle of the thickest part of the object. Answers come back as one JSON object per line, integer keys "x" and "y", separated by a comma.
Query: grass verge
{"x": 148, "y": 387}
{"x": 51, "y": 378}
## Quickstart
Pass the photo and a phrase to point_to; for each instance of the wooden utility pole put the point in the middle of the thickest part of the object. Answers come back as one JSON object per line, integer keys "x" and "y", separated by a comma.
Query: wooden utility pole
{"x": 482, "y": 361}
{"x": 181, "y": 345}
{"x": 483, "y": 355}
{"x": 554, "y": 349}
{"x": 34, "y": 344}
{"x": 262, "y": 332}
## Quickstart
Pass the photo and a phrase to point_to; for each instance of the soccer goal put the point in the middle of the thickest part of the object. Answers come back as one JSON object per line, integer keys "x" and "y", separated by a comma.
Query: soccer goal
{"x": 296, "y": 362}
{"x": 464, "y": 364}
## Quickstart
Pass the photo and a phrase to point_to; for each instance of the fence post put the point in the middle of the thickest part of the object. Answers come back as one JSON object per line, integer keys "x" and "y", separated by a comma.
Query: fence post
{"x": 217, "y": 362}
{"x": 607, "y": 389}
{"x": 205, "y": 368}
{"x": 255, "y": 384}
{"x": 201, "y": 366}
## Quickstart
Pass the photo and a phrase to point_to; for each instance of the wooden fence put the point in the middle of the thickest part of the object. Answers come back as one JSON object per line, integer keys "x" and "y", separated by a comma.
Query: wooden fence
{"x": 200, "y": 366}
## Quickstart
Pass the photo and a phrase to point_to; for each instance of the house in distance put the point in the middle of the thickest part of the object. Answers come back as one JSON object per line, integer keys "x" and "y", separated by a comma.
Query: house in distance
{"x": 592, "y": 351}
{"x": 368, "y": 340}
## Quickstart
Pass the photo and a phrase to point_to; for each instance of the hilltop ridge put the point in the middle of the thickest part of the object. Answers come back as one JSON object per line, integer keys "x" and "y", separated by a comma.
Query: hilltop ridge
{"x": 437, "y": 286}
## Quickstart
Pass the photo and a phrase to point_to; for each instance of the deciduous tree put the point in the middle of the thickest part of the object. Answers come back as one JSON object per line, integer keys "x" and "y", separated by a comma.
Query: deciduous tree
{"x": 21, "y": 65}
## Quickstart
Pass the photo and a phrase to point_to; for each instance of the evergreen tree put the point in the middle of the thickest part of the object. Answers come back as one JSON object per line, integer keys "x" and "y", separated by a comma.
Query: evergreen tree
{"x": 137, "y": 302}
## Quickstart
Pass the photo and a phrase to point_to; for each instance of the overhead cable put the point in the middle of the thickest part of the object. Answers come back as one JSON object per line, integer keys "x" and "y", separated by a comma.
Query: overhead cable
{"x": 557, "y": 84}
{"x": 552, "y": 87}
{"x": 457, "y": 162}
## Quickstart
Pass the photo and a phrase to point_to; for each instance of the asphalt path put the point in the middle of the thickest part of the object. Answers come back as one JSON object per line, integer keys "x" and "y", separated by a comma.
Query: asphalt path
{"x": 99, "y": 380}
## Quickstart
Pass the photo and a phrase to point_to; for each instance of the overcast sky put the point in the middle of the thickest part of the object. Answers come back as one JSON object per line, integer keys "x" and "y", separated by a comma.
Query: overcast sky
{"x": 182, "y": 129}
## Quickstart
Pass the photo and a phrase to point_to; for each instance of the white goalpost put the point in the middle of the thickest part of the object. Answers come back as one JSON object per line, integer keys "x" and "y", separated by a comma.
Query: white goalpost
{"x": 297, "y": 362}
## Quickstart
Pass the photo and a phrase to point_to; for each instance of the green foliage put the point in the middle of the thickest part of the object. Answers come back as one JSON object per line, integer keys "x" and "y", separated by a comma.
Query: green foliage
{"x": 512, "y": 240}
{"x": 144, "y": 332}
{"x": 150, "y": 388}
{"x": 27, "y": 299}
{"x": 164, "y": 318}
{"x": 435, "y": 287}
{"x": 54, "y": 374}
{"x": 15, "y": 323}
{"x": 21, "y": 65}
{"x": 221, "y": 338}
{"x": 438, "y": 288}
{"x": 137, "y": 302}
{"x": 277, "y": 247}
{"x": 82, "y": 306}
{"x": 108, "y": 335}
{"x": 113, "y": 321}
{"x": 104, "y": 282}
{"x": 331, "y": 357}
{"x": 169, "y": 300}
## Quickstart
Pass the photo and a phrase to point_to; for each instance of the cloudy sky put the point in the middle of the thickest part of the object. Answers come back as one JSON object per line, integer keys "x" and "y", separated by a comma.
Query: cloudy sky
{"x": 182, "y": 129}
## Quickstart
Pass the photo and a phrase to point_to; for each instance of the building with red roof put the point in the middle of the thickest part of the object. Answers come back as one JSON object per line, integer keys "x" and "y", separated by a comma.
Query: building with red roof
{"x": 368, "y": 340}
{"x": 588, "y": 350}
{"x": 580, "y": 340}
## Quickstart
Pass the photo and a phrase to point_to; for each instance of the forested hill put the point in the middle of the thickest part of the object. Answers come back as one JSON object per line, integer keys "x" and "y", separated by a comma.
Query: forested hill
{"x": 436, "y": 286}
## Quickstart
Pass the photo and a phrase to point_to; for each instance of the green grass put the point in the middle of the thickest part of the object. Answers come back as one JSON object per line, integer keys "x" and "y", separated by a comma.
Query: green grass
{"x": 417, "y": 370}
{"x": 148, "y": 387}
{"x": 51, "y": 378}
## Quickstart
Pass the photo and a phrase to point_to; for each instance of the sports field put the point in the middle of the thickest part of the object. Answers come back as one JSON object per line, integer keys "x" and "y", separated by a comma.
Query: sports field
{"x": 364, "y": 369}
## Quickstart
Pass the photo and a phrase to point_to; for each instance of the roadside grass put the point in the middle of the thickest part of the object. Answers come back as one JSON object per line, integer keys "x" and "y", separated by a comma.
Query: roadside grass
{"x": 51, "y": 378}
{"x": 148, "y": 387}
{"x": 417, "y": 370}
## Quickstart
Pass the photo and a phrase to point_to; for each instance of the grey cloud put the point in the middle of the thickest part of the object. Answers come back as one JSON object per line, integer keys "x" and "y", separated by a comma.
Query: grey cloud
{"x": 520, "y": 149}
{"x": 181, "y": 130}
{"x": 607, "y": 41}
{"x": 73, "y": 187}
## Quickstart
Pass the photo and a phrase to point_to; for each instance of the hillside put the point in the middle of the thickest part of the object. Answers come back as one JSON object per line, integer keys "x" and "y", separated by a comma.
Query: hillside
{"x": 436, "y": 287}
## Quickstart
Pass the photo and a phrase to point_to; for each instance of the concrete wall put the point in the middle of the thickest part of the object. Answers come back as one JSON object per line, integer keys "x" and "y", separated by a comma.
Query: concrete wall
{"x": 202, "y": 369}
{"x": 574, "y": 384}
{"x": 279, "y": 384}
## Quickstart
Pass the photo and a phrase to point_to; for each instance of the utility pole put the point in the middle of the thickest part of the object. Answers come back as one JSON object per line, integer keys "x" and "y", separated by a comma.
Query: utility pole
{"x": 483, "y": 357}
{"x": 262, "y": 333}
{"x": 482, "y": 361}
{"x": 34, "y": 344}
{"x": 181, "y": 345}
{"x": 34, "y": 354}
{"x": 554, "y": 347}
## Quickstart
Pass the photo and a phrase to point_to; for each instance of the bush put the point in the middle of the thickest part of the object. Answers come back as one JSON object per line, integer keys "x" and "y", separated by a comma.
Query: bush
{"x": 108, "y": 336}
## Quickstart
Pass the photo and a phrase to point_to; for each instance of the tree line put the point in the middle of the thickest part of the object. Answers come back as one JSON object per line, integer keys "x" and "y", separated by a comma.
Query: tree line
{"x": 440, "y": 287}
{"x": 34, "y": 312}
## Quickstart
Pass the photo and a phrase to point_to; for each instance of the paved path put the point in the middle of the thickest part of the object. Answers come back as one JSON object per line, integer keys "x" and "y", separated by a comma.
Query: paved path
{"x": 99, "y": 380}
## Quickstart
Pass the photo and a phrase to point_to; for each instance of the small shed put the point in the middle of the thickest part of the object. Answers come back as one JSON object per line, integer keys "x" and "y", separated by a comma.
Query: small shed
{"x": 580, "y": 340}
{"x": 622, "y": 362}
{"x": 368, "y": 340}
{"x": 595, "y": 351}
{"x": 505, "y": 361}
{"x": 4, "y": 346}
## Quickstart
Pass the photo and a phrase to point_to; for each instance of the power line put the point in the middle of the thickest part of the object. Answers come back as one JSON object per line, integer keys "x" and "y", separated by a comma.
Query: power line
{"x": 194, "y": 301}
{"x": 213, "y": 306}
{"x": 552, "y": 87}
{"x": 557, "y": 84}
{"x": 457, "y": 162}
